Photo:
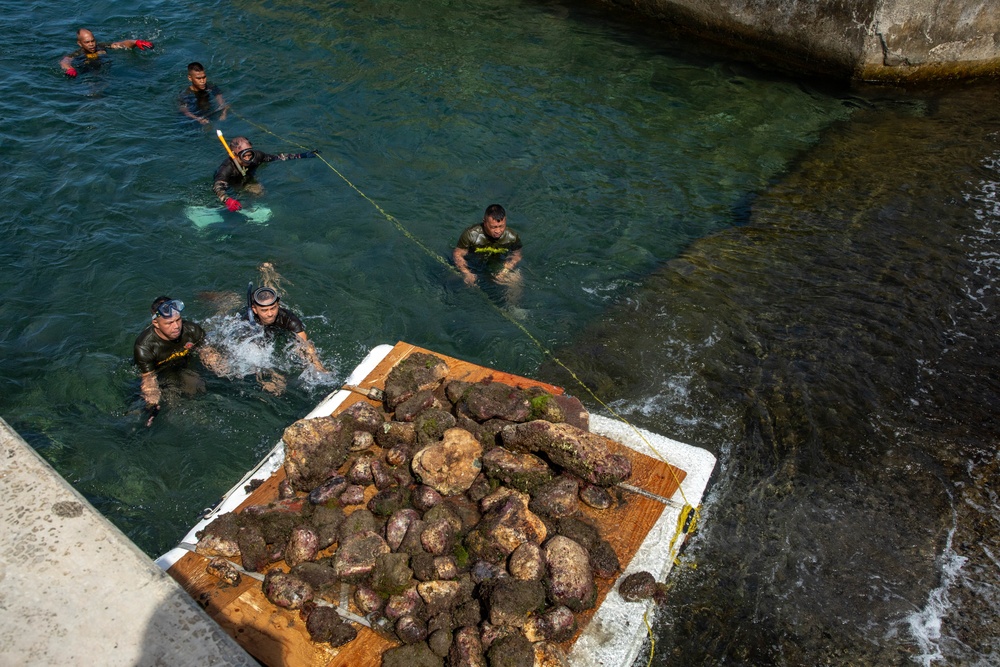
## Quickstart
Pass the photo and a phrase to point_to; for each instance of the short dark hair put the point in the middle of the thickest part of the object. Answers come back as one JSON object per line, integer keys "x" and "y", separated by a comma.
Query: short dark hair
{"x": 236, "y": 141}
{"x": 156, "y": 303}
{"x": 195, "y": 67}
{"x": 496, "y": 212}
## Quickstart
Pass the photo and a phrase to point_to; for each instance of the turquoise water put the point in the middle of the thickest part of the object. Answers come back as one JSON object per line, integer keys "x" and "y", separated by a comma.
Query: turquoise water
{"x": 610, "y": 153}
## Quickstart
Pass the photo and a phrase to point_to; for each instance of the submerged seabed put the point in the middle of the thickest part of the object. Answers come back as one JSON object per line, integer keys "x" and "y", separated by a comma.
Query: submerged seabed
{"x": 834, "y": 351}
{"x": 839, "y": 353}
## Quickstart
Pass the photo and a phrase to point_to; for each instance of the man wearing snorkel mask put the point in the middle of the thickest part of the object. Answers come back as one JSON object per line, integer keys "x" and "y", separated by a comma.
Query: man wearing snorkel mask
{"x": 239, "y": 173}
{"x": 166, "y": 345}
{"x": 264, "y": 309}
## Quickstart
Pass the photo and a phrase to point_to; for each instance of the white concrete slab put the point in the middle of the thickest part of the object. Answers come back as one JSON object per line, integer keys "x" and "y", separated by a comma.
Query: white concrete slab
{"x": 74, "y": 590}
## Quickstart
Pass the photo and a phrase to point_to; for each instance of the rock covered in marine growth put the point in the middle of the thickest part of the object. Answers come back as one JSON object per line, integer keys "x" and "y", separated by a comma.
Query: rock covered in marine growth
{"x": 570, "y": 581}
{"x": 314, "y": 449}
{"x": 519, "y": 470}
{"x": 223, "y": 569}
{"x": 506, "y": 524}
{"x": 586, "y": 455}
{"x": 324, "y": 624}
{"x": 450, "y": 466}
{"x": 286, "y": 590}
{"x": 417, "y": 372}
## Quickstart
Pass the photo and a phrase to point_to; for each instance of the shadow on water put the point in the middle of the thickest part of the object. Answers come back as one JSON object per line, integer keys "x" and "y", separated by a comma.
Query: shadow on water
{"x": 838, "y": 353}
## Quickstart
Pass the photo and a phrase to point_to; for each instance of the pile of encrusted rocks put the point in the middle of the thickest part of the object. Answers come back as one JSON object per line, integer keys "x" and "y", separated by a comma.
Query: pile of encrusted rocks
{"x": 470, "y": 549}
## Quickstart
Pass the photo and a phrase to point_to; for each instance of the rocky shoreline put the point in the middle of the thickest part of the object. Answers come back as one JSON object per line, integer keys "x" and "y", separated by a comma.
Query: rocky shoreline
{"x": 885, "y": 41}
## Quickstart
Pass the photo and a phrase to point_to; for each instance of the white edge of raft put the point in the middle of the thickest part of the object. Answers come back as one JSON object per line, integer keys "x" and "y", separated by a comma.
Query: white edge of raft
{"x": 616, "y": 633}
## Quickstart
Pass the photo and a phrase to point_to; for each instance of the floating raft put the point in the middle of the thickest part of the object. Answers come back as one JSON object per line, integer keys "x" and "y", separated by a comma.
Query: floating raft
{"x": 641, "y": 530}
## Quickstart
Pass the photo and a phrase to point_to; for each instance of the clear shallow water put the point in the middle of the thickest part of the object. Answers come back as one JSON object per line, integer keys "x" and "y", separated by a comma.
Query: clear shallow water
{"x": 613, "y": 153}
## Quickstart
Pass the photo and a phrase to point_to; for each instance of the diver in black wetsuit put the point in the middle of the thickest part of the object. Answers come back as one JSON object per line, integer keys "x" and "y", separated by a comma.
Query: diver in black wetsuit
{"x": 165, "y": 346}
{"x": 263, "y": 309}
{"x": 91, "y": 52}
{"x": 231, "y": 175}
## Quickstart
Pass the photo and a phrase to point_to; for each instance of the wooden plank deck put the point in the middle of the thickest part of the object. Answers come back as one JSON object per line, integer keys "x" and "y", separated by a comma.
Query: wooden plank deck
{"x": 278, "y": 638}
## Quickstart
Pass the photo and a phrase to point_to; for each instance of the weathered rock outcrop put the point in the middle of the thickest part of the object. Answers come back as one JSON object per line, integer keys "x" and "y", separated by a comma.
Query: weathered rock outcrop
{"x": 872, "y": 40}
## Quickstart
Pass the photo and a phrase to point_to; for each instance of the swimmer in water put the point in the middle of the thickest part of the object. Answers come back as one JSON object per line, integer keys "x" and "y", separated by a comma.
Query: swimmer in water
{"x": 239, "y": 173}
{"x": 164, "y": 348}
{"x": 497, "y": 246}
{"x": 264, "y": 310}
{"x": 196, "y": 101}
{"x": 90, "y": 51}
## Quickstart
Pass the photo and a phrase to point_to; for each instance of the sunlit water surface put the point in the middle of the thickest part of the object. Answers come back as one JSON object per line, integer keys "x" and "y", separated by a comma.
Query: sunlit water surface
{"x": 629, "y": 165}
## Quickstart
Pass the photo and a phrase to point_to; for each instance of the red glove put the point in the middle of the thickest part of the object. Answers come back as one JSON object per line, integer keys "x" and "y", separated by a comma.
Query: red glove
{"x": 233, "y": 205}
{"x": 143, "y": 44}
{"x": 70, "y": 72}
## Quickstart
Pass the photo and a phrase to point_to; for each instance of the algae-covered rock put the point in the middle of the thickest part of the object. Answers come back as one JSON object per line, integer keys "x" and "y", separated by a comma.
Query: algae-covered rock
{"x": 506, "y": 525}
{"x": 495, "y": 400}
{"x": 637, "y": 586}
{"x": 218, "y": 538}
{"x": 392, "y": 574}
{"x": 586, "y": 455}
{"x": 511, "y": 601}
{"x": 518, "y": 470}
{"x": 431, "y": 425}
{"x": 411, "y": 655}
{"x": 415, "y": 373}
{"x": 555, "y": 625}
{"x": 356, "y": 555}
{"x": 325, "y": 625}
{"x": 315, "y": 448}
{"x": 512, "y": 650}
{"x": 557, "y": 498}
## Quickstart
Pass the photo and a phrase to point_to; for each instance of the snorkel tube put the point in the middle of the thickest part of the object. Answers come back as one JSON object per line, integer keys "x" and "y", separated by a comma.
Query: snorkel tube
{"x": 243, "y": 172}
{"x": 250, "y": 303}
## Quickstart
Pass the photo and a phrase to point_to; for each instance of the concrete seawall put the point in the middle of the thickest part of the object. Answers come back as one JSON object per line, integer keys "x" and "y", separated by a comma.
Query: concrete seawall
{"x": 870, "y": 40}
{"x": 75, "y": 591}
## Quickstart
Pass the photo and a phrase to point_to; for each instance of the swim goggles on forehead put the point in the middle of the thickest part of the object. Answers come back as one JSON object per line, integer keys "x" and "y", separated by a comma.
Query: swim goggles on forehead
{"x": 169, "y": 308}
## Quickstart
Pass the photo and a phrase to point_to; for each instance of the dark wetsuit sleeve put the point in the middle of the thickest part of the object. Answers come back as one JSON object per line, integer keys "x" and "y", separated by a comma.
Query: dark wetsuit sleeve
{"x": 152, "y": 353}
{"x": 276, "y": 157}
{"x": 144, "y": 352}
{"x": 467, "y": 239}
{"x": 289, "y": 321}
{"x": 226, "y": 176}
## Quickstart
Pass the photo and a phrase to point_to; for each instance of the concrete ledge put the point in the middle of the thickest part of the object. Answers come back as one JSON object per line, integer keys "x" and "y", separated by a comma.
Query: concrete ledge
{"x": 75, "y": 591}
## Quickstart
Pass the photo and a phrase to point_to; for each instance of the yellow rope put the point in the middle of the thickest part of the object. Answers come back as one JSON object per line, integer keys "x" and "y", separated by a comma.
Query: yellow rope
{"x": 688, "y": 508}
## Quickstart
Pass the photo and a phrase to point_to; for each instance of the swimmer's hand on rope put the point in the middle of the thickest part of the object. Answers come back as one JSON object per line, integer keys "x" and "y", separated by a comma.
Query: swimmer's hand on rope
{"x": 312, "y": 153}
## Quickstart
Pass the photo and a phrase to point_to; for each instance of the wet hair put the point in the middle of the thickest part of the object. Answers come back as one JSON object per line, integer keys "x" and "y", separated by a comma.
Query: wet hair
{"x": 156, "y": 303}
{"x": 195, "y": 67}
{"x": 496, "y": 212}
{"x": 236, "y": 141}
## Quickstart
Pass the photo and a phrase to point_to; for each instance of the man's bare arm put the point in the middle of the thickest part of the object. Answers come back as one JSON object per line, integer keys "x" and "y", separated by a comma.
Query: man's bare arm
{"x": 458, "y": 256}
{"x": 150, "y": 388}
{"x": 309, "y": 351}
{"x": 213, "y": 360}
